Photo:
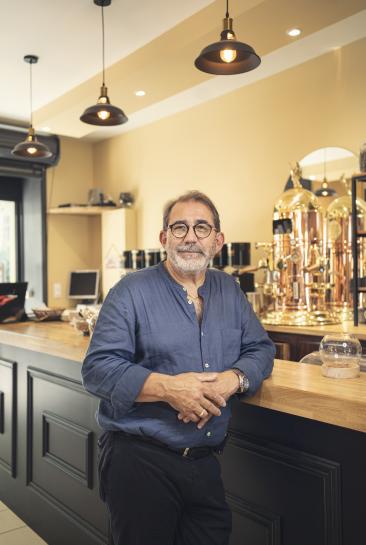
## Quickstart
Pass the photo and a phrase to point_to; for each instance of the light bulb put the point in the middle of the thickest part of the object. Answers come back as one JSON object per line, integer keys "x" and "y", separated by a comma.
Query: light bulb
{"x": 228, "y": 55}
{"x": 293, "y": 32}
{"x": 103, "y": 114}
{"x": 31, "y": 150}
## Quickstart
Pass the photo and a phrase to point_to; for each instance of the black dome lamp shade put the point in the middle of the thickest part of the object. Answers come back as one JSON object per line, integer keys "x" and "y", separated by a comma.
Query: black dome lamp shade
{"x": 103, "y": 113}
{"x": 30, "y": 147}
{"x": 325, "y": 190}
{"x": 228, "y": 56}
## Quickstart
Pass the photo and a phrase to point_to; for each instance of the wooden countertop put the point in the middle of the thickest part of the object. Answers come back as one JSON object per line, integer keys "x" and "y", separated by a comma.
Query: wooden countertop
{"x": 320, "y": 331}
{"x": 55, "y": 338}
{"x": 293, "y": 388}
{"x": 300, "y": 389}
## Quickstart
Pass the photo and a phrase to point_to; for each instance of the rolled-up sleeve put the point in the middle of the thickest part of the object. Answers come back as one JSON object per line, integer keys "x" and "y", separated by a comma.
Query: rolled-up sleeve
{"x": 257, "y": 351}
{"x": 109, "y": 370}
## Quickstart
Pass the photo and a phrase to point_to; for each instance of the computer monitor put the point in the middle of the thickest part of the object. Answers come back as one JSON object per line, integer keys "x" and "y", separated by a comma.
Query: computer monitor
{"x": 84, "y": 285}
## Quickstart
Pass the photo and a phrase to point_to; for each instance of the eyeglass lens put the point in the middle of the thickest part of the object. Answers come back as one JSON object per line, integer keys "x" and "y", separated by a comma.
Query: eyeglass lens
{"x": 201, "y": 230}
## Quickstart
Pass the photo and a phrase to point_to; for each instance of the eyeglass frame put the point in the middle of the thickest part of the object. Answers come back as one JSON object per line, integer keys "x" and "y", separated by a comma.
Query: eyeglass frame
{"x": 212, "y": 227}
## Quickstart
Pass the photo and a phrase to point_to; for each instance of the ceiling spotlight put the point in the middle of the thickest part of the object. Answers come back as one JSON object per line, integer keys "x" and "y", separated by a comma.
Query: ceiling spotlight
{"x": 140, "y": 93}
{"x": 30, "y": 147}
{"x": 45, "y": 129}
{"x": 103, "y": 112}
{"x": 293, "y": 32}
{"x": 228, "y": 56}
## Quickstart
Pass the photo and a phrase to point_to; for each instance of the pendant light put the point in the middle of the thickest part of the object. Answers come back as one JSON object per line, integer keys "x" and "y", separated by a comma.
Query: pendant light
{"x": 325, "y": 190}
{"x": 228, "y": 56}
{"x": 30, "y": 147}
{"x": 103, "y": 112}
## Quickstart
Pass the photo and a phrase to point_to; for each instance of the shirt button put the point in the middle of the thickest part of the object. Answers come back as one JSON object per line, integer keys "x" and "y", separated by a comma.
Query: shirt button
{"x": 207, "y": 365}
{"x": 201, "y": 333}
{"x": 189, "y": 302}
{"x": 184, "y": 289}
{"x": 209, "y": 433}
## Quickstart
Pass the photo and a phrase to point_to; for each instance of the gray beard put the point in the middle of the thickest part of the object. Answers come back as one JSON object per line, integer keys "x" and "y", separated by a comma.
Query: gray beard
{"x": 196, "y": 264}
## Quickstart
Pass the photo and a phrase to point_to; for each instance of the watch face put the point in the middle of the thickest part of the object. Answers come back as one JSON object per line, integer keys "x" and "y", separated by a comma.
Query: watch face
{"x": 245, "y": 384}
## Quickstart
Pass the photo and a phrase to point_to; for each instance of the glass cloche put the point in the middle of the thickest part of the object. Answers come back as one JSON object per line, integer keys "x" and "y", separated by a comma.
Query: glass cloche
{"x": 340, "y": 355}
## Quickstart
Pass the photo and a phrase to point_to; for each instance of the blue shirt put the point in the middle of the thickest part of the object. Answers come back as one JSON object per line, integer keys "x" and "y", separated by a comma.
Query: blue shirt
{"x": 147, "y": 325}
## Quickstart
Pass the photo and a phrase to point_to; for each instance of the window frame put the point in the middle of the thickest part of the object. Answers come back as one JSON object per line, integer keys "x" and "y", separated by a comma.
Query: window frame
{"x": 11, "y": 189}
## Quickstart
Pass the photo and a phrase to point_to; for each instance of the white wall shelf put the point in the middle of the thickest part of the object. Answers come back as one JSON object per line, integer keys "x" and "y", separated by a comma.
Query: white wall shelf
{"x": 118, "y": 233}
{"x": 81, "y": 210}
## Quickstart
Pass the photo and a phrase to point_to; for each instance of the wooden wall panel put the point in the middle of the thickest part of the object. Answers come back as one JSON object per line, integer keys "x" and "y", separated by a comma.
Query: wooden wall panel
{"x": 263, "y": 526}
{"x": 61, "y": 448}
{"x": 297, "y": 491}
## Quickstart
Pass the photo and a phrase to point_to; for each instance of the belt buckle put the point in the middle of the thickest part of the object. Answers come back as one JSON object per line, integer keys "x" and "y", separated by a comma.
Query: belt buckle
{"x": 186, "y": 451}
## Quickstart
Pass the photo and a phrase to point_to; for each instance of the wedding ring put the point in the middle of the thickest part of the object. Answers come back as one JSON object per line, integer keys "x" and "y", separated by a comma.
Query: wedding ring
{"x": 202, "y": 413}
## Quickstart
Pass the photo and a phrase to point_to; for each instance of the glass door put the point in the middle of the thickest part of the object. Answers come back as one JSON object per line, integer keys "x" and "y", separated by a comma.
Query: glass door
{"x": 8, "y": 242}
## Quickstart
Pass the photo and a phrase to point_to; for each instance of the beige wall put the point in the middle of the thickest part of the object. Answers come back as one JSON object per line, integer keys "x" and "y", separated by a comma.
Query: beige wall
{"x": 237, "y": 148}
{"x": 73, "y": 241}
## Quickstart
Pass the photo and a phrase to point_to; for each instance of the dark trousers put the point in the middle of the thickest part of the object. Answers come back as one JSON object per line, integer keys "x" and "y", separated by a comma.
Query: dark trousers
{"x": 157, "y": 497}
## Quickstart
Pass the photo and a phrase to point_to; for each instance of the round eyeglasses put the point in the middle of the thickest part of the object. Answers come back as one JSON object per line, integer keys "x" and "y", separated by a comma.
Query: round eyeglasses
{"x": 201, "y": 230}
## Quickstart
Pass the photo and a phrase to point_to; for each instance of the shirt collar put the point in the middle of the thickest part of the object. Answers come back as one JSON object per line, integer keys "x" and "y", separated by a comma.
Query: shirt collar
{"x": 202, "y": 290}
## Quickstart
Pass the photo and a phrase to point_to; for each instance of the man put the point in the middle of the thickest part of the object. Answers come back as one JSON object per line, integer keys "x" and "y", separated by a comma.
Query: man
{"x": 171, "y": 346}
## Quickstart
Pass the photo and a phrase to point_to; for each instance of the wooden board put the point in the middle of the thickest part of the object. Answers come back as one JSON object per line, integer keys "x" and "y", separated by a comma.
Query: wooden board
{"x": 301, "y": 390}
{"x": 293, "y": 388}
{"x": 55, "y": 338}
{"x": 345, "y": 327}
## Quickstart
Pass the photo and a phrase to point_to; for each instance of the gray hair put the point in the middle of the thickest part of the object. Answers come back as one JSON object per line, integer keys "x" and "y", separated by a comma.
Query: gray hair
{"x": 191, "y": 196}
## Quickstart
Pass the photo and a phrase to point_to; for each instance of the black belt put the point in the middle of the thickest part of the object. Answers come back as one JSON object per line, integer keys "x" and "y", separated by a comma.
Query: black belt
{"x": 188, "y": 452}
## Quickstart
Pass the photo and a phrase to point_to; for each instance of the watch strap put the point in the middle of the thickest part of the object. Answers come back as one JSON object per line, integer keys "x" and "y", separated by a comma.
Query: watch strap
{"x": 243, "y": 381}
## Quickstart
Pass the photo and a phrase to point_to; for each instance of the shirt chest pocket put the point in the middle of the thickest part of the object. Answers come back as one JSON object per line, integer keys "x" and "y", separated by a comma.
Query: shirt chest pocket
{"x": 166, "y": 351}
{"x": 230, "y": 346}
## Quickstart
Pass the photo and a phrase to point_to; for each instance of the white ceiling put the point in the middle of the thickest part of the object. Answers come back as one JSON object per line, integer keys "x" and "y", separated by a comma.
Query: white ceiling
{"x": 330, "y": 38}
{"x": 66, "y": 36}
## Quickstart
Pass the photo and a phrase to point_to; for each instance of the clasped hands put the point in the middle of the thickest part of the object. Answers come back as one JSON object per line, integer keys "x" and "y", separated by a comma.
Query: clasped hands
{"x": 199, "y": 396}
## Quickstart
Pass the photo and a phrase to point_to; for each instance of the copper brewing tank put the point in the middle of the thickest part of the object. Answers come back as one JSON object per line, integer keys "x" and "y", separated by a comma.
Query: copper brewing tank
{"x": 299, "y": 260}
{"x": 339, "y": 250}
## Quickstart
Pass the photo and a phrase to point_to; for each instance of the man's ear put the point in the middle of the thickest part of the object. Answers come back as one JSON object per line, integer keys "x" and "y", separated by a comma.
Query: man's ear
{"x": 220, "y": 240}
{"x": 162, "y": 238}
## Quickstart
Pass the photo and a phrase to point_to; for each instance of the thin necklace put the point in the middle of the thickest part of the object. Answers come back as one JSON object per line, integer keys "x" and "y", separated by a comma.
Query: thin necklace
{"x": 195, "y": 297}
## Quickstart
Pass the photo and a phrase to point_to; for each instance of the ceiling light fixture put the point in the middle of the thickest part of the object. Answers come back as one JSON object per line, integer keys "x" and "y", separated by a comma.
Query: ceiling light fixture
{"x": 103, "y": 112}
{"x": 325, "y": 190}
{"x": 30, "y": 147}
{"x": 140, "y": 93}
{"x": 293, "y": 32}
{"x": 228, "y": 56}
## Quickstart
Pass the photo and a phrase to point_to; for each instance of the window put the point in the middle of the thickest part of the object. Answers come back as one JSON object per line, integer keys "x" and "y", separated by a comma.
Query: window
{"x": 11, "y": 234}
{"x": 8, "y": 242}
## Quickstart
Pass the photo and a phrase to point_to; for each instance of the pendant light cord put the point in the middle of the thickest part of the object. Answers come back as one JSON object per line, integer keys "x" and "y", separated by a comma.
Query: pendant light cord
{"x": 324, "y": 164}
{"x": 30, "y": 94}
{"x": 103, "y": 43}
{"x": 227, "y": 9}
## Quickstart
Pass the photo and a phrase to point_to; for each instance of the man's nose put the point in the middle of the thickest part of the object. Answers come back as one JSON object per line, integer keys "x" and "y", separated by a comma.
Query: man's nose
{"x": 190, "y": 235}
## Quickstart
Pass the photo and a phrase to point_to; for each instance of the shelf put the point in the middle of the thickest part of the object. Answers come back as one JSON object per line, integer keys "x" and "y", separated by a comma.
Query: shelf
{"x": 356, "y": 290}
{"x": 81, "y": 210}
{"x": 360, "y": 177}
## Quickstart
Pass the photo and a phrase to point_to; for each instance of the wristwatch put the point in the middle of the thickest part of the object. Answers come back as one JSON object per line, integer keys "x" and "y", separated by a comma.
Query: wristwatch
{"x": 243, "y": 381}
